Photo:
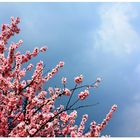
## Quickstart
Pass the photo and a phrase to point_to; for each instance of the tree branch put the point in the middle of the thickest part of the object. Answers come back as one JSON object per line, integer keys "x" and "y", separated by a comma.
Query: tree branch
{"x": 71, "y": 96}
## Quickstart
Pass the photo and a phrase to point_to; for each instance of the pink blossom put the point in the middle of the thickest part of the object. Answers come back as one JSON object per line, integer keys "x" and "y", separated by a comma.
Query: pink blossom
{"x": 78, "y": 79}
{"x": 61, "y": 64}
{"x": 30, "y": 66}
{"x": 82, "y": 125}
{"x": 54, "y": 71}
{"x": 35, "y": 52}
{"x": 64, "y": 80}
{"x": 43, "y": 49}
{"x": 73, "y": 114}
{"x": 32, "y": 131}
{"x": 73, "y": 134}
{"x": 42, "y": 94}
{"x": 67, "y": 92}
{"x": 82, "y": 95}
{"x": 98, "y": 80}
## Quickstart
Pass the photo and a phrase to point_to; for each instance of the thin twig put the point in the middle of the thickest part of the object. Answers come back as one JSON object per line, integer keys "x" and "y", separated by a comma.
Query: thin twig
{"x": 71, "y": 96}
{"x": 74, "y": 103}
{"x": 83, "y": 106}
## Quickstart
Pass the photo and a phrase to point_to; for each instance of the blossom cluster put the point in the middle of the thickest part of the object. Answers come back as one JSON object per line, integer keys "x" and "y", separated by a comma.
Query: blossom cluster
{"x": 95, "y": 129}
{"x": 54, "y": 71}
{"x": 28, "y": 110}
{"x": 78, "y": 79}
{"x": 83, "y": 94}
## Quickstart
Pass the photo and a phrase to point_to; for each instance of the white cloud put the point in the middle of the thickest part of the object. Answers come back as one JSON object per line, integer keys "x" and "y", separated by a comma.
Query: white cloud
{"x": 116, "y": 33}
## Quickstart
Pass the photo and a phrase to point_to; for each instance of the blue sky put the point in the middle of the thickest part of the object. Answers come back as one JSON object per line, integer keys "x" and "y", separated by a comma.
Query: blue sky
{"x": 94, "y": 39}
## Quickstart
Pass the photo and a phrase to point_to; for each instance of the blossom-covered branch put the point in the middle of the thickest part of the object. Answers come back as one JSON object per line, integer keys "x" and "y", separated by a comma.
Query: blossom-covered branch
{"x": 26, "y": 109}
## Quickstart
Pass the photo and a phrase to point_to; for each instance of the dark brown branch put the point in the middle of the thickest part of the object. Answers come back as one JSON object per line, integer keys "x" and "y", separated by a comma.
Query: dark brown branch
{"x": 74, "y": 103}
{"x": 83, "y": 106}
{"x": 71, "y": 96}
{"x": 83, "y": 86}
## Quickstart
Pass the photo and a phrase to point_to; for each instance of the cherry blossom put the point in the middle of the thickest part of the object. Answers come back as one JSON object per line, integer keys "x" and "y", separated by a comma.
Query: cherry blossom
{"x": 28, "y": 105}
{"x": 64, "y": 80}
{"x": 83, "y": 94}
{"x": 67, "y": 92}
{"x": 78, "y": 79}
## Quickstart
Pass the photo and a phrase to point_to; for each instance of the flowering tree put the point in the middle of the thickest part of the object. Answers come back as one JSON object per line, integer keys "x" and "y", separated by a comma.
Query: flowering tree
{"x": 28, "y": 110}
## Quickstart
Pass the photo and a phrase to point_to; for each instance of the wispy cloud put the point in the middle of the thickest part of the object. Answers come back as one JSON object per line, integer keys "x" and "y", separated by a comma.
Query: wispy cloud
{"x": 115, "y": 32}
